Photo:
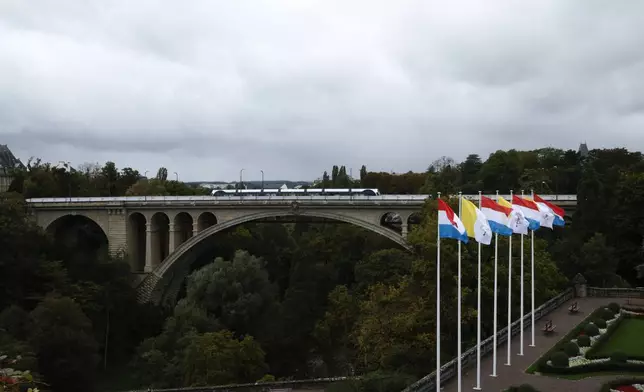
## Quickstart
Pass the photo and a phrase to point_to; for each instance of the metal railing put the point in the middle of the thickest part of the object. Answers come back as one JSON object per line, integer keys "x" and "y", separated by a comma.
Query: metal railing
{"x": 450, "y": 369}
{"x": 255, "y": 387}
{"x": 615, "y": 292}
{"x": 419, "y": 199}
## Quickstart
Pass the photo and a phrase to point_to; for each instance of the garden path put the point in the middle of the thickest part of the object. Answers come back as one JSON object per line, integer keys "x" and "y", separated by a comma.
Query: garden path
{"x": 516, "y": 375}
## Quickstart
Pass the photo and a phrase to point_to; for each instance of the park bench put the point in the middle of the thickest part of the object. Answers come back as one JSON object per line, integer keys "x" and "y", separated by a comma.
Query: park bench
{"x": 549, "y": 328}
{"x": 574, "y": 308}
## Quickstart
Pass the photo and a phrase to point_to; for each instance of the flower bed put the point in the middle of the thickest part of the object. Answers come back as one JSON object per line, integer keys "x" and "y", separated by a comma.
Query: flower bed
{"x": 12, "y": 380}
{"x": 577, "y": 352}
{"x": 624, "y": 385}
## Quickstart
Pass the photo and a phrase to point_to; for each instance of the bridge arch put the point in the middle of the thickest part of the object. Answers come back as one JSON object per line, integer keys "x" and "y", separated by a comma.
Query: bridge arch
{"x": 79, "y": 231}
{"x": 162, "y": 284}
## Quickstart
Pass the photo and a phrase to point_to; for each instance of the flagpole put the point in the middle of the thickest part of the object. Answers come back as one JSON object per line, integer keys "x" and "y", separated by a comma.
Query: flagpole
{"x": 438, "y": 304}
{"x": 532, "y": 274}
{"x": 458, "y": 307}
{"x": 509, "y": 363}
{"x": 478, "y": 317}
{"x": 496, "y": 259}
{"x": 521, "y": 293}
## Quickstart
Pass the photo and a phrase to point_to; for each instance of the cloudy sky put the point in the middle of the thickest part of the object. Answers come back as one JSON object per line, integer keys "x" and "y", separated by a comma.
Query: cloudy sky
{"x": 291, "y": 87}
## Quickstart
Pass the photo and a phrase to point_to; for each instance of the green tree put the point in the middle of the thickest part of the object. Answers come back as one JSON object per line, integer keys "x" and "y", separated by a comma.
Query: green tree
{"x": 62, "y": 337}
{"x": 238, "y": 293}
{"x": 218, "y": 358}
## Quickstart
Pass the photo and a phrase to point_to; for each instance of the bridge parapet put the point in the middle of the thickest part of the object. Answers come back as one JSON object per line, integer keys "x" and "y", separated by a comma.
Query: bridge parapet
{"x": 169, "y": 201}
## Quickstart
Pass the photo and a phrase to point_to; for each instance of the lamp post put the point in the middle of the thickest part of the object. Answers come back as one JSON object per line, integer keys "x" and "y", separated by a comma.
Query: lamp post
{"x": 262, "y": 180}
{"x": 177, "y": 176}
{"x": 240, "y": 178}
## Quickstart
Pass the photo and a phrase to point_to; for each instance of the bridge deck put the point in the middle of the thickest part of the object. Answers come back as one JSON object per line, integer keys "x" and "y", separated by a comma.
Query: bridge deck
{"x": 385, "y": 200}
{"x": 516, "y": 375}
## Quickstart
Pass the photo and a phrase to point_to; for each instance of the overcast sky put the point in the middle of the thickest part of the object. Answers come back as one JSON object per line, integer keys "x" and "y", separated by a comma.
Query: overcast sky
{"x": 291, "y": 87}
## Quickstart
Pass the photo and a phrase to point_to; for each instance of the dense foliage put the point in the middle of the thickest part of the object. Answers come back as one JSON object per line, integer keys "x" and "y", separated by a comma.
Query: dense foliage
{"x": 297, "y": 300}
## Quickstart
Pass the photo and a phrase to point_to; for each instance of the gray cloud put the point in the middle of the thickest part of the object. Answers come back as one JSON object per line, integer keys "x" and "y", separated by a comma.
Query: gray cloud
{"x": 292, "y": 87}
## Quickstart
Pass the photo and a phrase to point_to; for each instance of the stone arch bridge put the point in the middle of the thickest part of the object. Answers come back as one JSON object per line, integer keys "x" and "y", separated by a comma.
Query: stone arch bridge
{"x": 162, "y": 235}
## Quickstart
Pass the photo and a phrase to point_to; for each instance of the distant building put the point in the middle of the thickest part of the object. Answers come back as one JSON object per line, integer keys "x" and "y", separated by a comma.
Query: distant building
{"x": 583, "y": 150}
{"x": 8, "y": 162}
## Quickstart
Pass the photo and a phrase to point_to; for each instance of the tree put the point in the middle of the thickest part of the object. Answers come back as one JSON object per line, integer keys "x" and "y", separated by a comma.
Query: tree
{"x": 162, "y": 174}
{"x": 384, "y": 266}
{"x": 237, "y": 292}
{"x": 363, "y": 174}
{"x": 218, "y": 358}
{"x": 598, "y": 262}
{"x": 61, "y": 336}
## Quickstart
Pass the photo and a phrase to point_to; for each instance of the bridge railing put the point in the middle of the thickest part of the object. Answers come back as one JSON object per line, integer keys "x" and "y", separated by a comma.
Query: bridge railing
{"x": 215, "y": 199}
{"x": 450, "y": 369}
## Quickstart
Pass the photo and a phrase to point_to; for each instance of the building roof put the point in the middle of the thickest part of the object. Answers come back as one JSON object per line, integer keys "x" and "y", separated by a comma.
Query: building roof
{"x": 8, "y": 160}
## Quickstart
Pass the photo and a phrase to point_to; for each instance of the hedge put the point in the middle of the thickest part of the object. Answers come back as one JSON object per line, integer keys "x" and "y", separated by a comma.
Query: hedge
{"x": 613, "y": 364}
{"x": 592, "y": 352}
{"x": 541, "y": 364}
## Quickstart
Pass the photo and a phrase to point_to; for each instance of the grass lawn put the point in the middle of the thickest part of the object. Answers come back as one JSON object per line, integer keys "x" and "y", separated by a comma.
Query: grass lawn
{"x": 627, "y": 338}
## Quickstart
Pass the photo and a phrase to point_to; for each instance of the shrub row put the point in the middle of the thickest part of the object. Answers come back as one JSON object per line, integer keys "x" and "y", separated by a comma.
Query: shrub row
{"x": 522, "y": 388}
{"x": 542, "y": 365}
{"x": 592, "y": 353}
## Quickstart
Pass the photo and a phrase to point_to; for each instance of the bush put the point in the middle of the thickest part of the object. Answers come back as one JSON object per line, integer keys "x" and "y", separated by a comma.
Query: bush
{"x": 618, "y": 357}
{"x": 379, "y": 381}
{"x": 571, "y": 349}
{"x": 583, "y": 341}
{"x": 560, "y": 359}
{"x": 600, "y": 323}
{"x": 526, "y": 388}
{"x": 614, "y": 307}
{"x": 606, "y": 314}
{"x": 343, "y": 386}
{"x": 591, "y": 329}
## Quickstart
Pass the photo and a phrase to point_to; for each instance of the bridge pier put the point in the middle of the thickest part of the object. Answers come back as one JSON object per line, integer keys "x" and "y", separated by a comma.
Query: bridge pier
{"x": 148, "y": 248}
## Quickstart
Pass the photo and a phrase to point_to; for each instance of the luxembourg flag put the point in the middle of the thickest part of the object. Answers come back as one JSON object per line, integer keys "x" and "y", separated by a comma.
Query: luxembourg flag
{"x": 558, "y": 211}
{"x": 518, "y": 223}
{"x": 497, "y": 216}
{"x": 449, "y": 225}
{"x": 530, "y": 210}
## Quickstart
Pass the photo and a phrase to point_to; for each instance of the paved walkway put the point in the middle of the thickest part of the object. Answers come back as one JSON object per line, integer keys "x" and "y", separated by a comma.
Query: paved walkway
{"x": 515, "y": 374}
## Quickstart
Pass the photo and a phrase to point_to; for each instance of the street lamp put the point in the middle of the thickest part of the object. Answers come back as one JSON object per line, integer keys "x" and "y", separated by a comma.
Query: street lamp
{"x": 177, "y": 176}
{"x": 262, "y": 180}
{"x": 146, "y": 174}
{"x": 240, "y": 179}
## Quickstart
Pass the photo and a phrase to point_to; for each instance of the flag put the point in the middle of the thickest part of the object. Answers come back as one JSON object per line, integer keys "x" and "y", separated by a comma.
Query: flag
{"x": 558, "y": 211}
{"x": 530, "y": 210}
{"x": 547, "y": 216}
{"x": 475, "y": 223}
{"x": 518, "y": 222}
{"x": 449, "y": 225}
{"x": 497, "y": 216}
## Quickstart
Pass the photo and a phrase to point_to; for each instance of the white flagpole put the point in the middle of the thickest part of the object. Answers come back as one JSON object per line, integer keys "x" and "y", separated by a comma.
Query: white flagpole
{"x": 521, "y": 306}
{"x": 532, "y": 274}
{"x": 496, "y": 259}
{"x": 510, "y": 296}
{"x": 438, "y": 305}
{"x": 478, "y": 317}
{"x": 458, "y": 307}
